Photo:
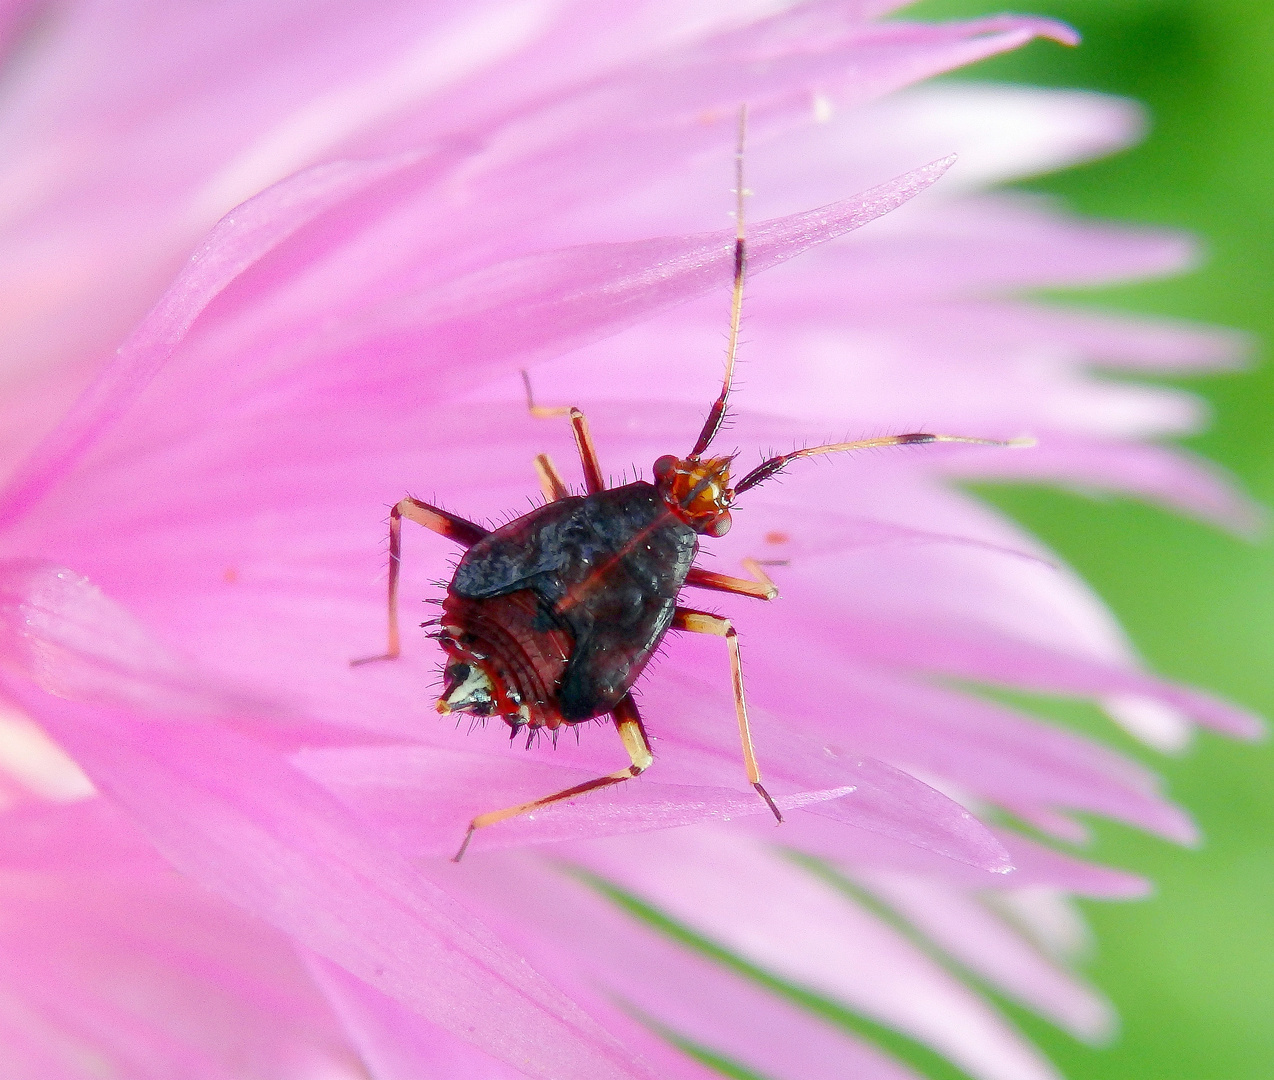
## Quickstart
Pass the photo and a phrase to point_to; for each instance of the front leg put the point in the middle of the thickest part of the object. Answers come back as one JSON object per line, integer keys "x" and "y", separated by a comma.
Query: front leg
{"x": 452, "y": 527}
{"x": 760, "y": 587}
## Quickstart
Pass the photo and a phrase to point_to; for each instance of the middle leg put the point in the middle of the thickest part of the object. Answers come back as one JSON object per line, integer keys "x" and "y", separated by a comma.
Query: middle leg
{"x": 551, "y": 482}
{"x": 760, "y": 586}
{"x": 633, "y": 735}
{"x": 701, "y": 622}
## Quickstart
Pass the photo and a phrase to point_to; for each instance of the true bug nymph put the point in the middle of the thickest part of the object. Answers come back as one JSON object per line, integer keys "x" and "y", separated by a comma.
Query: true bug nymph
{"x": 551, "y": 619}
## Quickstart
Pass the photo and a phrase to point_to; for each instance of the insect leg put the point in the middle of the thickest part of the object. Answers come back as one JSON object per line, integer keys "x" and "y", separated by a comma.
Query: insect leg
{"x": 439, "y": 521}
{"x": 551, "y": 482}
{"x": 633, "y": 735}
{"x": 700, "y": 622}
{"x": 593, "y": 481}
{"x": 760, "y": 586}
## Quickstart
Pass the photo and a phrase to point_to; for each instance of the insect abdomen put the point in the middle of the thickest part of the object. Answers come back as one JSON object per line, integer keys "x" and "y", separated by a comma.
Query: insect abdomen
{"x": 524, "y": 658}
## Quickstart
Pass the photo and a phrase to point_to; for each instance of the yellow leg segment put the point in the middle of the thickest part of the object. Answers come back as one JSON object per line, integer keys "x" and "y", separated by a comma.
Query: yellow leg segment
{"x": 632, "y": 734}
{"x": 701, "y": 622}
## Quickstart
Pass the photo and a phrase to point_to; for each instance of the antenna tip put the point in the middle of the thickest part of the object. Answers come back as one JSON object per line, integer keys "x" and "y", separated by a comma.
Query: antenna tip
{"x": 1023, "y": 441}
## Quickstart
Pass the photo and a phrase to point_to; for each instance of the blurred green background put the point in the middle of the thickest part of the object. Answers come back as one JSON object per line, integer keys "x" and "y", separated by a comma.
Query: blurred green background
{"x": 1192, "y": 970}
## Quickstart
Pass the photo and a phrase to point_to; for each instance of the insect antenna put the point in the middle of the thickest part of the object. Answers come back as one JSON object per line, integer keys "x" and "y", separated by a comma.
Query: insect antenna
{"x": 717, "y": 413}
{"x": 773, "y": 465}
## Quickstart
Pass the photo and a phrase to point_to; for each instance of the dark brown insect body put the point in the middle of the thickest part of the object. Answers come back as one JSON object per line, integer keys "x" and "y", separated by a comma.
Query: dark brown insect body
{"x": 551, "y": 619}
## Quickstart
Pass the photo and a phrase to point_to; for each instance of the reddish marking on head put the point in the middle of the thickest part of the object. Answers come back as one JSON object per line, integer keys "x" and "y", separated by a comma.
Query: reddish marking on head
{"x": 698, "y": 492}
{"x": 777, "y": 538}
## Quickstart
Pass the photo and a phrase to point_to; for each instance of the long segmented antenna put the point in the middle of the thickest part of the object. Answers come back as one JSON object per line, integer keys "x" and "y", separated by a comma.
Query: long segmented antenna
{"x": 717, "y": 413}
{"x": 768, "y": 468}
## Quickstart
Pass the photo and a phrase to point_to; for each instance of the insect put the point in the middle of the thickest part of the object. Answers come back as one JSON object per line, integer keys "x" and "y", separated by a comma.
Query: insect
{"x": 550, "y": 620}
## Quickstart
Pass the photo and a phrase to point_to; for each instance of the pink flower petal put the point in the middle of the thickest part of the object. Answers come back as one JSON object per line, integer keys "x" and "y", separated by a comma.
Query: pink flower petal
{"x": 1033, "y": 865}
{"x": 505, "y": 314}
{"x": 974, "y": 653}
{"x": 393, "y": 1042}
{"x": 238, "y": 242}
{"x": 862, "y": 361}
{"x": 459, "y": 191}
{"x": 973, "y": 935}
{"x": 238, "y": 819}
{"x": 742, "y": 898}
{"x": 14, "y": 14}
{"x": 111, "y": 964}
{"x": 422, "y": 799}
{"x": 986, "y": 750}
{"x": 610, "y": 956}
{"x": 1008, "y": 132}
{"x": 237, "y": 831}
{"x": 1001, "y": 133}
{"x": 1108, "y": 340}
{"x": 1168, "y": 476}
{"x": 991, "y": 244}
{"x": 109, "y": 197}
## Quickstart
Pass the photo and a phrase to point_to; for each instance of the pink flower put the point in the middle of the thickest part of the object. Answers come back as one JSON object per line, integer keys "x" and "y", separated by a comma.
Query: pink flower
{"x": 436, "y": 198}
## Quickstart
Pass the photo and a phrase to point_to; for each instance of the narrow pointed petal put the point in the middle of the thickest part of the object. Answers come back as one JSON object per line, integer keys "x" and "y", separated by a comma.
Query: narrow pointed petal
{"x": 240, "y": 240}
{"x": 1168, "y": 476}
{"x": 972, "y": 934}
{"x": 90, "y": 909}
{"x": 743, "y": 898}
{"x": 671, "y": 987}
{"x": 508, "y": 314}
{"x": 423, "y": 799}
{"x": 393, "y": 1042}
{"x": 241, "y": 821}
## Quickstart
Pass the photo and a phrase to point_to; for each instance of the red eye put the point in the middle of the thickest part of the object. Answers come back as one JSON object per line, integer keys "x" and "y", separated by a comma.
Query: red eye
{"x": 664, "y": 466}
{"x": 720, "y": 526}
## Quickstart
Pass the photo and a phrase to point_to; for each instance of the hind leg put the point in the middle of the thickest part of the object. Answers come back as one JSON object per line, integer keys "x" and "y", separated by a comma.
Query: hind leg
{"x": 633, "y": 735}
{"x": 452, "y": 527}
